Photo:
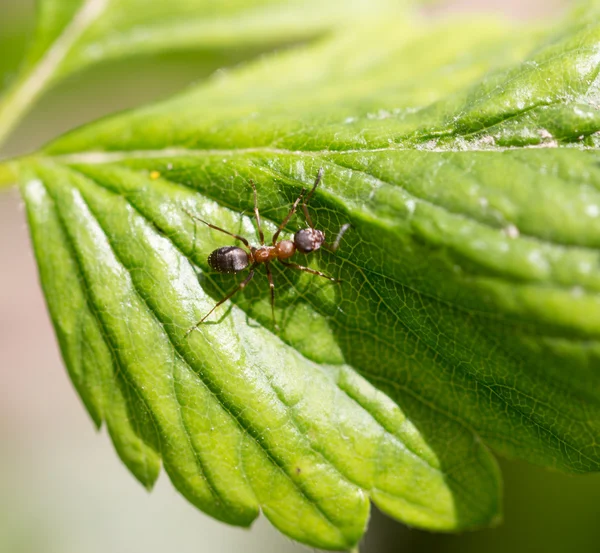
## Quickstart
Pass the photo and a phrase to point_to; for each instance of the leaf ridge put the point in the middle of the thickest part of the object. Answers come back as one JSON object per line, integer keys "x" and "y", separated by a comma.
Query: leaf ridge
{"x": 100, "y": 326}
{"x": 103, "y": 157}
{"x": 198, "y": 458}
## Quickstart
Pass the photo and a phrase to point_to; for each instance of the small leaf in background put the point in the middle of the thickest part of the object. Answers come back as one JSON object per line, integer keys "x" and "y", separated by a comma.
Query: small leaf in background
{"x": 74, "y": 34}
{"x": 468, "y": 315}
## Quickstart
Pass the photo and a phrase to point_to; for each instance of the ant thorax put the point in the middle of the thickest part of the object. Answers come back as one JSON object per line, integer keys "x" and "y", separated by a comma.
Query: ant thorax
{"x": 281, "y": 250}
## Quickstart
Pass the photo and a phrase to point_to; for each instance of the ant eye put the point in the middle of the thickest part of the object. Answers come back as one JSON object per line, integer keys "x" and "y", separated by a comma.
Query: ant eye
{"x": 308, "y": 240}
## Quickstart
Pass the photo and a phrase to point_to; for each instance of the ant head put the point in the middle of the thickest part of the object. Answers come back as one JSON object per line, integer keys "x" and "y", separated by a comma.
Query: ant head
{"x": 309, "y": 240}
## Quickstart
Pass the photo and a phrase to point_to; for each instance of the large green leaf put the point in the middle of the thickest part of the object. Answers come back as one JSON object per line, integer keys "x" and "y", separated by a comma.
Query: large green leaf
{"x": 465, "y": 157}
{"x": 74, "y": 34}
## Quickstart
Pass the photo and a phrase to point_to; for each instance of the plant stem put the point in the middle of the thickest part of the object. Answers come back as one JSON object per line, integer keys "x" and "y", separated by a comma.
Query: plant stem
{"x": 16, "y": 102}
{"x": 22, "y": 94}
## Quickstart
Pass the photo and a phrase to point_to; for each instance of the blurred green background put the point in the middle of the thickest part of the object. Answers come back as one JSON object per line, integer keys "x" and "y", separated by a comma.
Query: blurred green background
{"x": 62, "y": 487}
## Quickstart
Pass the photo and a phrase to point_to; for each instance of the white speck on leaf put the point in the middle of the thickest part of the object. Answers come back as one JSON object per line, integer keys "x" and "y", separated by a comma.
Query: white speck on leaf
{"x": 512, "y": 231}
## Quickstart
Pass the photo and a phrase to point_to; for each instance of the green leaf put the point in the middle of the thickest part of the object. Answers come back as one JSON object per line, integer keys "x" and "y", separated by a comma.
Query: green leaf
{"x": 468, "y": 315}
{"x": 74, "y": 34}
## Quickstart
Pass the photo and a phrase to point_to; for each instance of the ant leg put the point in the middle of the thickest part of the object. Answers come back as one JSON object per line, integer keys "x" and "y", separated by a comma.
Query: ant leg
{"x": 309, "y": 270}
{"x": 236, "y": 236}
{"x": 241, "y": 286}
{"x": 260, "y": 232}
{"x": 312, "y": 191}
{"x": 288, "y": 216}
{"x": 338, "y": 238}
{"x": 307, "y": 216}
{"x": 272, "y": 286}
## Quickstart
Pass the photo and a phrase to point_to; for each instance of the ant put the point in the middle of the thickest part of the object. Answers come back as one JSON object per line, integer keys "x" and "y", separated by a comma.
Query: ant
{"x": 232, "y": 259}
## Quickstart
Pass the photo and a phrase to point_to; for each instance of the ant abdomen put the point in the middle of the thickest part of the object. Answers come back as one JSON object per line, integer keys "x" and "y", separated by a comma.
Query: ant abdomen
{"x": 228, "y": 259}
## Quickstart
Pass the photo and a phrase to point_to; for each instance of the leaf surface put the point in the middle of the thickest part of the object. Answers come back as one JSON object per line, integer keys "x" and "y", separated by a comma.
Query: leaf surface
{"x": 468, "y": 315}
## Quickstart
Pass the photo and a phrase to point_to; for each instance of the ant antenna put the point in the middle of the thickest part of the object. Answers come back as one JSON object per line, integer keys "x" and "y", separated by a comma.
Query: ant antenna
{"x": 338, "y": 238}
